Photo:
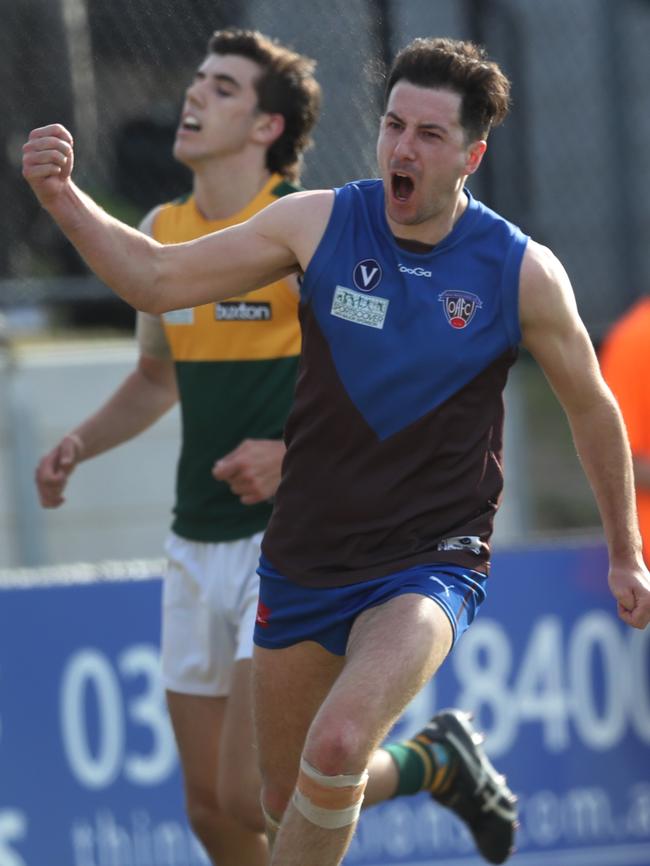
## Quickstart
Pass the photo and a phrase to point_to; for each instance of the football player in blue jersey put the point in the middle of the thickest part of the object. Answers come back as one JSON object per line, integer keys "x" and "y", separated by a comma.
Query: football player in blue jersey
{"x": 415, "y": 297}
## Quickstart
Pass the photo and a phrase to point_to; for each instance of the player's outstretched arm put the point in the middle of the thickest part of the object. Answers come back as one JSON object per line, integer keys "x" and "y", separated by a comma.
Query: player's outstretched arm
{"x": 137, "y": 403}
{"x": 154, "y": 277}
{"x": 555, "y": 335}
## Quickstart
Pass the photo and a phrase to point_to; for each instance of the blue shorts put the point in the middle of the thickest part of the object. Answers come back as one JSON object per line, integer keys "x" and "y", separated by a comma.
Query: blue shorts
{"x": 289, "y": 613}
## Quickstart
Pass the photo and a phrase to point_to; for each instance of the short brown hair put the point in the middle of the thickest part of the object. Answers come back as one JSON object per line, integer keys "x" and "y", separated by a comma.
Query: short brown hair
{"x": 462, "y": 67}
{"x": 285, "y": 86}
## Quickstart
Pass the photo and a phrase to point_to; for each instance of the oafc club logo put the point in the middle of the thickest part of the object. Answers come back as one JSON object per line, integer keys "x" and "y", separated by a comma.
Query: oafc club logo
{"x": 459, "y": 307}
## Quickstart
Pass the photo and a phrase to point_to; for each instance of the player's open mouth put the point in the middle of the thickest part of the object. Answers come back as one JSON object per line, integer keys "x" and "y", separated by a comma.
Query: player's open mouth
{"x": 190, "y": 123}
{"x": 401, "y": 185}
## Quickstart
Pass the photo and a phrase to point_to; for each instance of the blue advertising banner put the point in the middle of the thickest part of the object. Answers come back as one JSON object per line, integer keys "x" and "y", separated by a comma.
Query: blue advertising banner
{"x": 89, "y": 773}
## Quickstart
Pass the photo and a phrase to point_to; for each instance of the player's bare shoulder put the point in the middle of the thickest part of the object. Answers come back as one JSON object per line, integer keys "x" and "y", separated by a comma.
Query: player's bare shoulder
{"x": 299, "y": 220}
{"x": 544, "y": 287}
{"x": 540, "y": 265}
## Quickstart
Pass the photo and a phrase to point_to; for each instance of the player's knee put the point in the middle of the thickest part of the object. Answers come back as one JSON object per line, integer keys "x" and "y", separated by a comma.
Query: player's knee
{"x": 276, "y": 797}
{"x": 244, "y": 806}
{"x": 329, "y": 801}
{"x": 203, "y": 812}
{"x": 336, "y": 746}
{"x": 238, "y": 792}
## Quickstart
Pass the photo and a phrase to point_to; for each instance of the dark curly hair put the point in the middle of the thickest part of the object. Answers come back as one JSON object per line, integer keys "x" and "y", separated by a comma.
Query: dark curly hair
{"x": 286, "y": 86}
{"x": 462, "y": 67}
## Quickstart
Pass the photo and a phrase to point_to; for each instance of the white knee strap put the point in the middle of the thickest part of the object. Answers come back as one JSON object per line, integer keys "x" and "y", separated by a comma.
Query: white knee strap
{"x": 329, "y": 801}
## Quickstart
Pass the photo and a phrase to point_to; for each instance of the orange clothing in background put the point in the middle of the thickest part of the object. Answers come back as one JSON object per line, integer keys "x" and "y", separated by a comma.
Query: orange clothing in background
{"x": 625, "y": 361}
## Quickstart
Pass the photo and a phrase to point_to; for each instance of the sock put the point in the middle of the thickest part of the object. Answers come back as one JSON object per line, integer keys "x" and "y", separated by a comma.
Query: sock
{"x": 421, "y": 766}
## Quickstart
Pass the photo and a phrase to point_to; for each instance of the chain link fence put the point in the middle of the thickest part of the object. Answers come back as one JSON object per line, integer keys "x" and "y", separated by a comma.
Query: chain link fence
{"x": 569, "y": 164}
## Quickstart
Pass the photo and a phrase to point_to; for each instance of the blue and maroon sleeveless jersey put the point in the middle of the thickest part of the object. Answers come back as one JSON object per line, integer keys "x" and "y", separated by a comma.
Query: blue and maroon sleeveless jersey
{"x": 395, "y": 437}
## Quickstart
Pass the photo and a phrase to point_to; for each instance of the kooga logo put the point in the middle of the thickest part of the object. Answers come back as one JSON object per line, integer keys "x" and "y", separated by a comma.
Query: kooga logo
{"x": 242, "y": 311}
{"x": 417, "y": 272}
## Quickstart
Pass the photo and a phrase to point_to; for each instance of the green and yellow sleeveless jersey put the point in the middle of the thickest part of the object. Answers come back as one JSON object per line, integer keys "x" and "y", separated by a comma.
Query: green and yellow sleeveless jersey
{"x": 236, "y": 363}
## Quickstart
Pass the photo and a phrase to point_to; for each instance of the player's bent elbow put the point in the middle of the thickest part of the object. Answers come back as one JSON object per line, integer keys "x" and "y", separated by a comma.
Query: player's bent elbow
{"x": 165, "y": 289}
{"x": 156, "y": 306}
{"x": 145, "y": 301}
{"x": 156, "y": 296}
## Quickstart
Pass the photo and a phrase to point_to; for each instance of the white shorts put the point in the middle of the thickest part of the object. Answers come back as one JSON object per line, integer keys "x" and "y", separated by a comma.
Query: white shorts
{"x": 209, "y": 606}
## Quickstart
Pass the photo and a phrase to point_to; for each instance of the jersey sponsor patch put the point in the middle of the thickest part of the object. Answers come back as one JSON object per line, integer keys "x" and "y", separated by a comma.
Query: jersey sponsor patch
{"x": 369, "y": 310}
{"x": 460, "y": 307}
{"x": 243, "y": 311}
{"x": 462, "y": 542}
{"x": 367, "y": 275}
{"x": 179, "y": 317}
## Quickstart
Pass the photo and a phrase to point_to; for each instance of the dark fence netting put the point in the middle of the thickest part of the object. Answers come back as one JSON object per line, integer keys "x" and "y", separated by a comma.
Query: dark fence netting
{"x": 569, "y": 165}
